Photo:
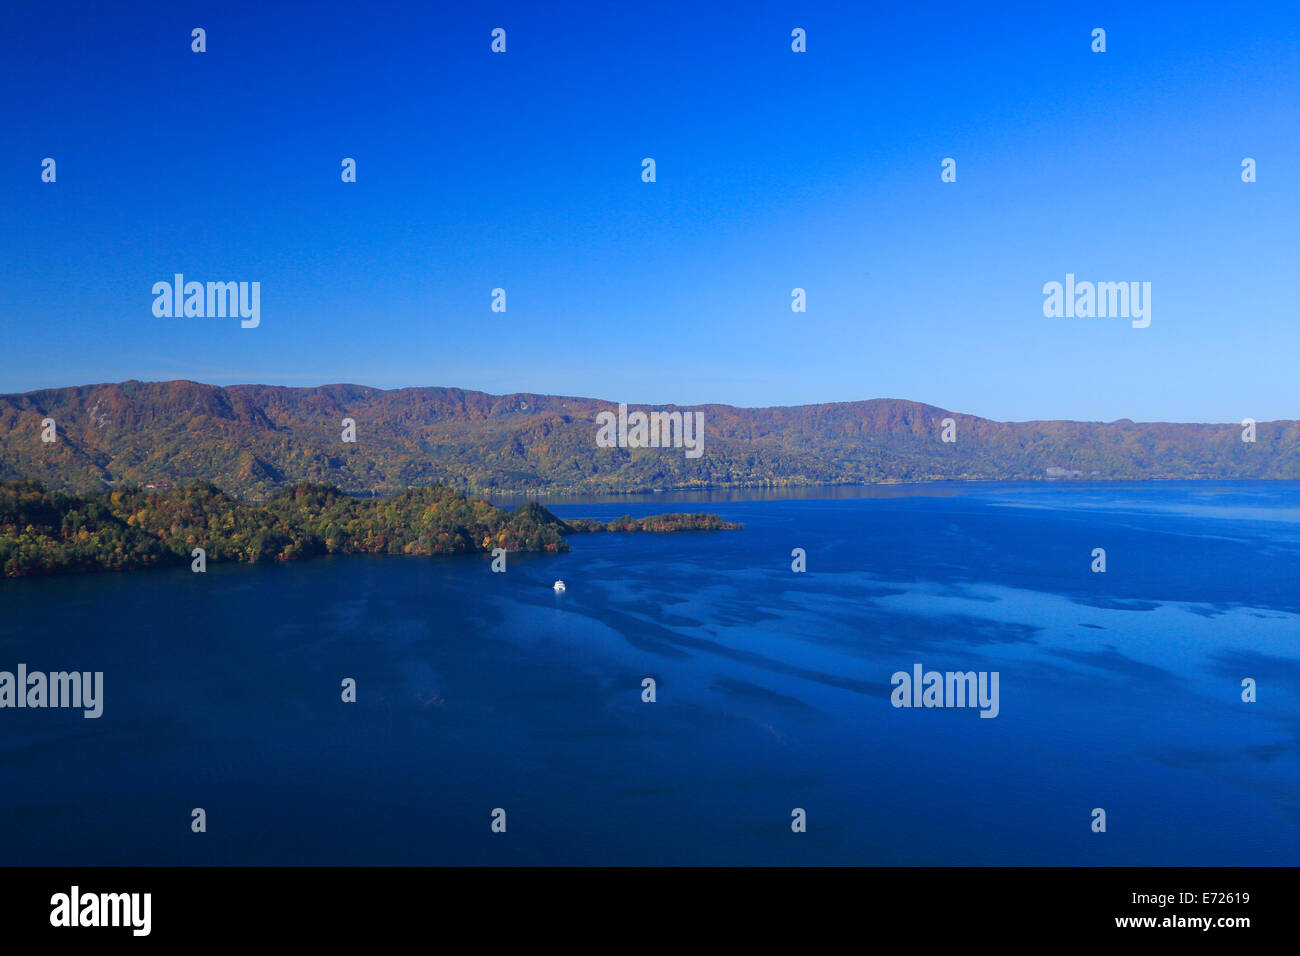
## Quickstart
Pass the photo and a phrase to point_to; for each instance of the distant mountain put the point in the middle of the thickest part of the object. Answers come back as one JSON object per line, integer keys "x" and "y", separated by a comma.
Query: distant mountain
{"x": 251, "y": 439}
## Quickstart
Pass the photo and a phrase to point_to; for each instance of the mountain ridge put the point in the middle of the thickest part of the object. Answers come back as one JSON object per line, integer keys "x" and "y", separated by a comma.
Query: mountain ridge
{"x": 251, "y": 439}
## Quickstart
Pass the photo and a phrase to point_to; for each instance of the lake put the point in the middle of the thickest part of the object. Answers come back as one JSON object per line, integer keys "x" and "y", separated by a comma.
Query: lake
{"x": 1119, "y": 690}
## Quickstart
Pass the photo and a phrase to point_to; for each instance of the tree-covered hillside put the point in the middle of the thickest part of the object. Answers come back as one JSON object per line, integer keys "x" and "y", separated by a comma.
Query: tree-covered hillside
{"x": 254, "y": 439}
{"x": 43, "y": 532}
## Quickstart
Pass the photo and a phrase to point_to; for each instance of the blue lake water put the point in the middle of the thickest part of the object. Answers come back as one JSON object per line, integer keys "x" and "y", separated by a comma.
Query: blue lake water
{"x": 477, "y": 690}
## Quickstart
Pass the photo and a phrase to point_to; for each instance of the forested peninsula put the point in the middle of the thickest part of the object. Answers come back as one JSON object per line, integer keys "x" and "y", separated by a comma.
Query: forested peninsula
{"x": 50, "y": 532}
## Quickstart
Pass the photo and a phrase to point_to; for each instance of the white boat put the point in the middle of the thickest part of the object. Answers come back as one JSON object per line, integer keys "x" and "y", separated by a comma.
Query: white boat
{"x": 559, "y": 586}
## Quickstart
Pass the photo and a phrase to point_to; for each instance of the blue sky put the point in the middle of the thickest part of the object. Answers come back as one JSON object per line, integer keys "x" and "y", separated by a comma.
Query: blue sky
{"x": 775, "y": 170}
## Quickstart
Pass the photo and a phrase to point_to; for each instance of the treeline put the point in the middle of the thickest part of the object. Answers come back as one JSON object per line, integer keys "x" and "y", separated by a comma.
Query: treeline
{"x": 45, "y": 532}
{"x": 666, "y": 522}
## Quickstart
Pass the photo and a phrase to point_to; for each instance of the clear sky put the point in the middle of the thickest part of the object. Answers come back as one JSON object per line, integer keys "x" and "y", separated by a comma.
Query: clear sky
{"x": 775, "y": 170}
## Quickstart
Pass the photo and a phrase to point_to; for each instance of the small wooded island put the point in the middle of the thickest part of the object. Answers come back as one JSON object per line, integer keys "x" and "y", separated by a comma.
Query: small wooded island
{"x": 48, "y": 532}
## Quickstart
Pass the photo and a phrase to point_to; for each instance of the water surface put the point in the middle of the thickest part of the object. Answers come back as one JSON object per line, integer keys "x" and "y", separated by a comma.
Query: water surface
{"x": 478, "y": 690}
